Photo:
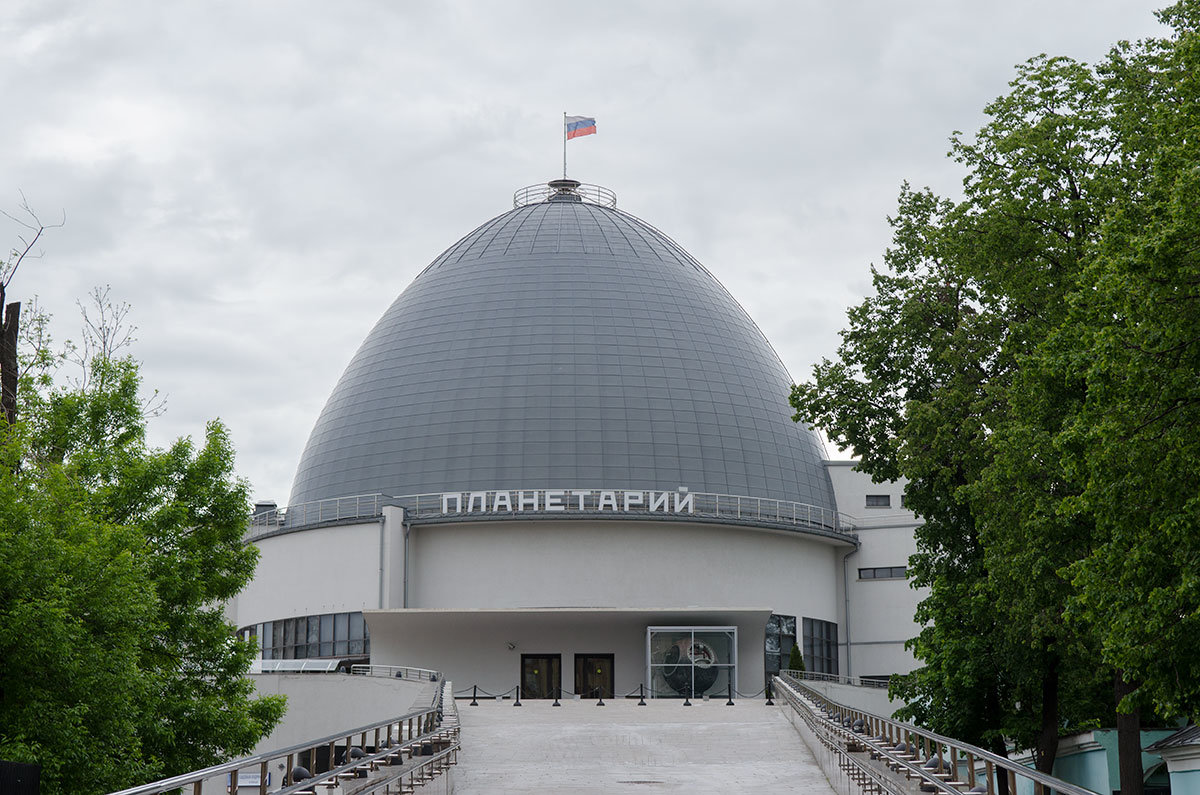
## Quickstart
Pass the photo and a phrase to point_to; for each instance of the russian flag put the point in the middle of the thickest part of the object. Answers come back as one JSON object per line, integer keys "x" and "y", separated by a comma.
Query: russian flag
{"x": 580, "y": 125}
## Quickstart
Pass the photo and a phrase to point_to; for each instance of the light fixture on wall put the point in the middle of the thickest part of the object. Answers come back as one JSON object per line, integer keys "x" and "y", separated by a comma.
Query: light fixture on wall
{"x": 512, "y": 644}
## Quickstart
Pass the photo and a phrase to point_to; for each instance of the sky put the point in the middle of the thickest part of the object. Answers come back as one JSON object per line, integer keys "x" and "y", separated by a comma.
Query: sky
{"x": 260, "y": 180}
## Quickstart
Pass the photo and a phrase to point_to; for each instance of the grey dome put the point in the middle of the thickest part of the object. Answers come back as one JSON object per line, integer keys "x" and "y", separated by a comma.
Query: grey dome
{"x": 563, "y": 345}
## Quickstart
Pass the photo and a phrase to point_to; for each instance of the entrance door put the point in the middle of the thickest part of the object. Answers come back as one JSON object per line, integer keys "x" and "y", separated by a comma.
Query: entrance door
{"x": 541, "y": 675}
{"x": 594, "y": 675}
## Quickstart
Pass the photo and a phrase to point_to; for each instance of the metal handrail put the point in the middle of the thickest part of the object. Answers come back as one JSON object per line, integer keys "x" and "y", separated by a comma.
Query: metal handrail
{"x": 429, "y": 718}
{"x": 592, "y": 194}
{"x": 854, "y": 681}
{"x": 293, "y": 666}
{"x": 833, "y": 739}
{"x": 894, "y": 731}
{"x": 396, "y": 672}
{"x": 427, "y": 507}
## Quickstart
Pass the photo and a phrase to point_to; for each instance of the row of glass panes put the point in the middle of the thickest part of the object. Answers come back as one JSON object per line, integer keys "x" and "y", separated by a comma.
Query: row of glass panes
{"x": 882, "y": 573}
{"x": 306, "y": 637}
{"x": 820, "y": 646}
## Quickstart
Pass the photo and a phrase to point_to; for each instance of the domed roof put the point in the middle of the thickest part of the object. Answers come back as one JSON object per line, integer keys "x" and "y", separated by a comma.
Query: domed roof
{"x": 563, "y": 344}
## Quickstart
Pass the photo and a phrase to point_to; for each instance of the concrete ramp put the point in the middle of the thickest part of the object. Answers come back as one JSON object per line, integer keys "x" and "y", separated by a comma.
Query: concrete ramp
{"x": 621, "y": 747}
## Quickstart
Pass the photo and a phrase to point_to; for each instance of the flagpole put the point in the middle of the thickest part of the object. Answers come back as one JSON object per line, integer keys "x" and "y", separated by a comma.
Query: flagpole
{"x": 564, "y": 144}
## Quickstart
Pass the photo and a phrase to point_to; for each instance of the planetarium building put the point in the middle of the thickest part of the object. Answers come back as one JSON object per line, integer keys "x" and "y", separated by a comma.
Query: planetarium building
{"x": 564, "y": 459}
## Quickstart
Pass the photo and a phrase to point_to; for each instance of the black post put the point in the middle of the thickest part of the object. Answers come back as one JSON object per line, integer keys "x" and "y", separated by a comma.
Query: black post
{"x": 600, "y": 693}
{"x": 687, "y": 699}
{"x": 729, "y": 703}
{"x": 557, "y": 693}
{"x": 641, "y": 695}
{"x": 770, "y": 703}
{"x": 518, "y": 701}
{"x": 474, "y": 694}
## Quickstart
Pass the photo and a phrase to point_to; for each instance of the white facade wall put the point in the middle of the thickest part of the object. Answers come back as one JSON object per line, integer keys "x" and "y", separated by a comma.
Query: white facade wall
{"x": 484, "y": 648}
{"x": 333, "y": 569}
{"x": 877, "y": 614}
{"x": 327, "y": 703}
{"x": 623, "y": 563}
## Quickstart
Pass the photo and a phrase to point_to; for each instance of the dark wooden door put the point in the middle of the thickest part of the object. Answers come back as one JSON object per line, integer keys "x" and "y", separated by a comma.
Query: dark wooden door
{"x": 594, "y": 675}
{"x": 541, "y": 675}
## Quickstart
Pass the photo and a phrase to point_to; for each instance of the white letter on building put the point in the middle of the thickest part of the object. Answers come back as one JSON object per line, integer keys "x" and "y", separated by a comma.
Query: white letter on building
{"x": 581, "y": 496}
{"x": 503, "y": 502}
{"x": 554, "y": 500}
{"x": 683, "y": 501}
{"x": 527, "y": 498}
{"x": 446, "y": 503}
{"x": 481, "y": 497}
{"x": 609, "y": 499}
{"x": 634, "y": 498}
{"x": 660, "y": 501}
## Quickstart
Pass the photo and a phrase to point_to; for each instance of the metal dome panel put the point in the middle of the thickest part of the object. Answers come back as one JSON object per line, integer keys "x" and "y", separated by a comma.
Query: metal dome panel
{"x": 563, "y": 345}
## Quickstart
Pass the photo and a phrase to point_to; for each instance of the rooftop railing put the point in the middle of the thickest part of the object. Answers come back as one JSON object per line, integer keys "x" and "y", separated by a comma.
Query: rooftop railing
{"x": 592, "y": 194}
{"x": 591, "y": 503}
{"x": 881, "y": 753}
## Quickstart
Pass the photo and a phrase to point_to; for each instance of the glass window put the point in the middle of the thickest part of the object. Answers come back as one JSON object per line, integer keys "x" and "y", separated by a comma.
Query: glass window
{"x": 883, "y": 573}
{"x": 820, "y": 646}
{"x": 314, "y": 636}
{"x": 327, "y": 635}
{"x": 781, "y": 636}
{"x": 879, "y": 501}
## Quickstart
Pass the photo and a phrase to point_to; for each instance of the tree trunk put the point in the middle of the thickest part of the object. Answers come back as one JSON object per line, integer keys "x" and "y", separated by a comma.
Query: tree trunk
{"x": 1129, "y": 739}
{"x": 1047, "y": 743}
{"x": 8, "y": 360}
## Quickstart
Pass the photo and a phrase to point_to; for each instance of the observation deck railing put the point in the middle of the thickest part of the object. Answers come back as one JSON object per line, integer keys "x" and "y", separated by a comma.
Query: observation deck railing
{"x": 589, "y": 503}
{"x": 884, "y": 755}
{"x": 430, "y": 738}
{"x": 592, "y": 194}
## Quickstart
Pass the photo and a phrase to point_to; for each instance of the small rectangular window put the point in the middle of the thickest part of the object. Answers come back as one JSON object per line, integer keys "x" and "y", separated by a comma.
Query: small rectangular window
{"x": 882, "y": 573}
{"x": 879, "y": 501}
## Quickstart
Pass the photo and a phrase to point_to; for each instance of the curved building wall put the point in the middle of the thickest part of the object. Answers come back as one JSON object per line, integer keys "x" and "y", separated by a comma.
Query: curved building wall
{"x": 622, "y": 564}
{"x": 563, "y": 345}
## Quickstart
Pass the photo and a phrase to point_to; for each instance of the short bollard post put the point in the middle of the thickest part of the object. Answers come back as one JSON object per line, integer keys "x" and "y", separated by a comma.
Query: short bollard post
{"x": 687, "y": 699}
{"x": 474, "y": 694}
{"x": 770, "y": 703}
{"x": 600, "y": 693}
{"x": 517, "y": 703}
{"x": 557, "y": 693}
{"x": 729, "y": 703}
{"x": 641, "y": 695}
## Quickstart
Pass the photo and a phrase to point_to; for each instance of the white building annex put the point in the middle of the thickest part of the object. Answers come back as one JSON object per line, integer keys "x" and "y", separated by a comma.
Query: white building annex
{"x": 564, "y": 459}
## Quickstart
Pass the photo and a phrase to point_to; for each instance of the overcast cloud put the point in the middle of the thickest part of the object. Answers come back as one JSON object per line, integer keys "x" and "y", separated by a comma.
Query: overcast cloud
{"x": 261, "y": 179}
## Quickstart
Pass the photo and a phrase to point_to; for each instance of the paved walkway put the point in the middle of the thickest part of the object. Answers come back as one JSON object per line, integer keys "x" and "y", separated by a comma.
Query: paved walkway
{"x": 621, "y": 747}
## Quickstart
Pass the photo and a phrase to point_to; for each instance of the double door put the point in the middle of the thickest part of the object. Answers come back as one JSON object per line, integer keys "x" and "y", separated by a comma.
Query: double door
{"x": 541, "y": 675}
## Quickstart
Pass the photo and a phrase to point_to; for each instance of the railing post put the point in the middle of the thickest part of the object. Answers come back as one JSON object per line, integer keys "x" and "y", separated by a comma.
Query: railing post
{"x": 518, "y": 701}
{"x": 991, "y": 784}
{"x": 262, "y": 778}
{"x": 474, "y": 694}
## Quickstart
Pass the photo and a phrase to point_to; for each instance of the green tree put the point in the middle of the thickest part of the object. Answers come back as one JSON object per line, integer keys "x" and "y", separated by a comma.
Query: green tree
{"x": 1029, "y": 362}
{"x": 795, "y": 659}
{"x": 939, "y": 380}
{"x": 120, "y": 666}
{"x": 1134, "y": 340}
